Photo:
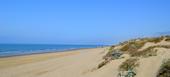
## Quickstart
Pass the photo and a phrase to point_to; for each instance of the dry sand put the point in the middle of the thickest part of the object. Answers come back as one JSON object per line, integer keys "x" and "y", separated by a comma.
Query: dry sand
{"x": 76, "y": 63}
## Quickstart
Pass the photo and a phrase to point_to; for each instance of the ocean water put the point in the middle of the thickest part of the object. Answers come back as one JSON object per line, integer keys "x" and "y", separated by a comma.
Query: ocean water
{"x": 23, "y": 49}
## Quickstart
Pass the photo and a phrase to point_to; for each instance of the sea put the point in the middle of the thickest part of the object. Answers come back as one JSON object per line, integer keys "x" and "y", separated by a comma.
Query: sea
{"x": 7, "y": 50}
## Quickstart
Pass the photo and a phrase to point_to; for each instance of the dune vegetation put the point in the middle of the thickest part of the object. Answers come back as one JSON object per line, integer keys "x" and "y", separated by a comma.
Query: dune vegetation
{"x": 133, "y": 48}
{"x": 165, "y": 69}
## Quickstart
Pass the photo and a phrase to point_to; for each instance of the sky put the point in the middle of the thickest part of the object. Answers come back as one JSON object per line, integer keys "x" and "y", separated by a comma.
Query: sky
{"x": 81, "y": 21}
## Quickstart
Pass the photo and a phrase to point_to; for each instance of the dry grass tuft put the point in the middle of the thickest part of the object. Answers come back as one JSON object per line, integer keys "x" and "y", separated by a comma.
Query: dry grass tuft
{"x": 154, "y": 39}
{"x": 129, "y": 64}
{"x": 145, "y": 53}
{"x": 150, "y": 51}
{"x": 167, "y": 38}
{"x": 109, "y": 54}
{"x": 133, "y": 46}
{"x": 165, "y": 69}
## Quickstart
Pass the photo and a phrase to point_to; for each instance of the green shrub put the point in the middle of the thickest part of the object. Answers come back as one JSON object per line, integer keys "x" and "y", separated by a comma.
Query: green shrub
{"x": 165, "y": 69}
{"x": 129, "y": 64}
{"x": 111, "y": 49}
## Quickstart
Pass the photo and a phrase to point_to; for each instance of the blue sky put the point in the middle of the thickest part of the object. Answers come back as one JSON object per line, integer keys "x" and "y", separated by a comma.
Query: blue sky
{"x": 81, "y": 21}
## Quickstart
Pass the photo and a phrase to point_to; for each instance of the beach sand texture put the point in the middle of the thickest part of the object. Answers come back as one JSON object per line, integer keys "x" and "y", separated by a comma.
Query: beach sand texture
{"x": 80, "y": 63}
{"x": 76, "y": 63}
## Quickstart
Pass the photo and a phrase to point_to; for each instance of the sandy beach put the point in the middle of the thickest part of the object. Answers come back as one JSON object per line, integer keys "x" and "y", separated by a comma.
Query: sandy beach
{"x": 85, "y": 38}
{"x": 75, "y": 63}
{"x": 86, "y": 62}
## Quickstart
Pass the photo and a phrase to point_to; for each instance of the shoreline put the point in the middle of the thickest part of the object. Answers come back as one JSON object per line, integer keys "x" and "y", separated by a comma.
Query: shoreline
{"x": 48, "y": 52}
{"x": 74, "y": 63}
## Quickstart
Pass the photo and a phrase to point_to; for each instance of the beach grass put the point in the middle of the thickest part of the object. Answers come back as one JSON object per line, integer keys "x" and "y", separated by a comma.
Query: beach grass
{"x": 165, "y": 69}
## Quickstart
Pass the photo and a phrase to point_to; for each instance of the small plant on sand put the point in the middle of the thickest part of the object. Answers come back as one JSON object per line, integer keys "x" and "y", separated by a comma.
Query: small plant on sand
{"x": 155, "y": 39}
{"x": 109, "y": 54}
{"x": 135, "y": 44}
{"x": 138, "y": 43}
{"x": 112, "y": 53}
{"x": 145, "y": 53}
{"x": 150, "y": 51}
{"x": 167, "y": 38}
{"x": 127, "y": 68}
{"x": 165, "y": 69}
{"x": 111, "y": 49}
{"x": 129, "y": 64}
{"x": 132, "y": 46}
